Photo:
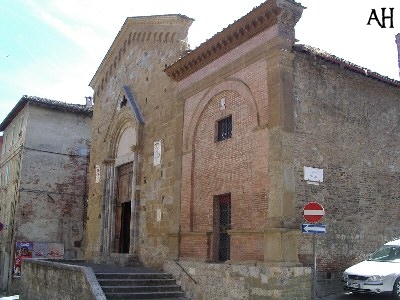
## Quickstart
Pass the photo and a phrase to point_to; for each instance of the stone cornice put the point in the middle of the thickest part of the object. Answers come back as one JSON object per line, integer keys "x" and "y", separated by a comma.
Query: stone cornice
{"x": 268, "y": 14}
{"x": 108, "y": 161}
{"x": 172, "y": 19}
{"x": 136, "y": 29}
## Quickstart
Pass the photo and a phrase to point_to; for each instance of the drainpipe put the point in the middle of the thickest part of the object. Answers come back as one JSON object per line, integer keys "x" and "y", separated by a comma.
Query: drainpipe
{"x": 398, "y": 50}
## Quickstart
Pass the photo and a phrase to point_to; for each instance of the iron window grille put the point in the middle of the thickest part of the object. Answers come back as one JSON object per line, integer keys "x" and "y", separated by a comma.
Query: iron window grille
{"x": 224, "y": 128}
{"x": 224, "y": 226}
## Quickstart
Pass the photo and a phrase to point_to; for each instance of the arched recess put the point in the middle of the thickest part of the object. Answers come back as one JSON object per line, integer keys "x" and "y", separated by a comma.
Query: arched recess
{"x": 120, "y": 188}
{"x": 124, "y": 137}
{"x": 233, "y": 85}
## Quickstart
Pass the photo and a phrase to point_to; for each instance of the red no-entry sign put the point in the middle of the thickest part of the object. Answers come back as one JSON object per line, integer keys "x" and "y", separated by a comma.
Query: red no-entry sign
{"x": 313, "y": 212}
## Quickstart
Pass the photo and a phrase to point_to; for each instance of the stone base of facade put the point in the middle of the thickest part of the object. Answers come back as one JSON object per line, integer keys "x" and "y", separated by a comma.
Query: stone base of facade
{"x": 14, "y": 286}
{"x": 203, "y": 281}
{"x": 329, "y": 283}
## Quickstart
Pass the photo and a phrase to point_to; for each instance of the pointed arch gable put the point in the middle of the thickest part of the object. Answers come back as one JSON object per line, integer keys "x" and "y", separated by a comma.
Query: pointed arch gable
{"x": 125, "y": 97}
{"x": 234, "y": 85}
{"x": 133, "y": 104}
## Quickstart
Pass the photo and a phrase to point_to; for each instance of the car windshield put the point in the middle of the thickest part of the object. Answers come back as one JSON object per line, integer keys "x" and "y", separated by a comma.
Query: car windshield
{"x": 386, "y": 253}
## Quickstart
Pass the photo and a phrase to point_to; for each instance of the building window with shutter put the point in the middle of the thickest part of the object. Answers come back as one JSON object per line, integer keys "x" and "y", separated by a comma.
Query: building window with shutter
{"x": 4, "y": 142}
{"x": 7, "y": 174}
{"x": 224, "y": 129}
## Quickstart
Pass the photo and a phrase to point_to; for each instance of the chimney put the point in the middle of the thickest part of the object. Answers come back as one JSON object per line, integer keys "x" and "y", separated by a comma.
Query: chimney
{"x": 398, "y": 50}
{"x": 89, "y": 101}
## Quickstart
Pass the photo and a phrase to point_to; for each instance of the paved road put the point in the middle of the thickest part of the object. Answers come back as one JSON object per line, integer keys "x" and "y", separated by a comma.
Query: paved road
{"x": 336, "y": 297}
{"x": 349, "y": 296}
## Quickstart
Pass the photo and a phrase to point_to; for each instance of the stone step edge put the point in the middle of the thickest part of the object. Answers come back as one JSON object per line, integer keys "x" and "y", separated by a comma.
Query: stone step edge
{"x": 134, "y": 280}
{"x": 145, "y": 294}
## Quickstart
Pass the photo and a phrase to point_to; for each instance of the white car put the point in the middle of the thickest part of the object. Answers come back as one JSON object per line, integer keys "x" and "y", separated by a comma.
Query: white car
{"x": 379, "y": 274}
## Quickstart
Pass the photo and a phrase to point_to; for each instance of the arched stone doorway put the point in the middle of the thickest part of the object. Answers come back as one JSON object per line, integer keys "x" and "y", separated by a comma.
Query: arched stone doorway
{"x": 125, "y": 186}
{"x": 124, "y": 164}
{"x": 120, "y": 217}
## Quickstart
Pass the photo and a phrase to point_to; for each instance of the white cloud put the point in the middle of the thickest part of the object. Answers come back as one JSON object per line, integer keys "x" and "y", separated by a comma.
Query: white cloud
{"x": 337, "y": 26}
{"x": 76, "y": 28}
{"x": 340, "y": 27}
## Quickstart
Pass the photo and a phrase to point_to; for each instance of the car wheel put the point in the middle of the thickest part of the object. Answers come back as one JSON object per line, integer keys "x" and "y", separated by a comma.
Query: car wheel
{"x": 396, "y": 288}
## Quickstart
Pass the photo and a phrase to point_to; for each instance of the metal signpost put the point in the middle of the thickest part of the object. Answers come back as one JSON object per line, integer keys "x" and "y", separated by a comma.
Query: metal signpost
{"x": 313, "y": 212}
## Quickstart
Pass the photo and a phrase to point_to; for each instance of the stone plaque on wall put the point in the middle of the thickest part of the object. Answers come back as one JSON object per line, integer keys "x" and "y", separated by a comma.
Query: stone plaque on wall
{"x": 97, "y": 173}
{"x": 157, "y": 153}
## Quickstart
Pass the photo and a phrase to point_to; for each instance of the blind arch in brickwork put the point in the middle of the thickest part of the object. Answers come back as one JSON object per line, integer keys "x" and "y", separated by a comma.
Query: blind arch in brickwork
{"x": 234, "y": 85}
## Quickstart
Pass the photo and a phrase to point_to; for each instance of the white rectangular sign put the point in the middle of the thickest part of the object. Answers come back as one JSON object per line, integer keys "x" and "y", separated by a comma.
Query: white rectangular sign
{"x": 313, "y": 174}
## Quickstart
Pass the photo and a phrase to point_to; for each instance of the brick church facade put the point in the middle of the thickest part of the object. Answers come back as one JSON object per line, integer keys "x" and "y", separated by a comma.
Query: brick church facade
{"x": 197, "y": 157}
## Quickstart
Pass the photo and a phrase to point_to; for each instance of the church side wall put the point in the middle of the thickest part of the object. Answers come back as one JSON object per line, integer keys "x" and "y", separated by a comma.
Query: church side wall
{"x": 348, "y": 125}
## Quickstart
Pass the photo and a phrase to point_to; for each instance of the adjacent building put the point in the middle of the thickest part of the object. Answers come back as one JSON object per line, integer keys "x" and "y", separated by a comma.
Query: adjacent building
{"x": 43, "y": 183}
{"x": 203, "y": 160}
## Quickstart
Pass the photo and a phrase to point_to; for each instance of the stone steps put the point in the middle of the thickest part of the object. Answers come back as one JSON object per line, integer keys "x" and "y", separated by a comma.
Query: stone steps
{"x": 126, "y": 286}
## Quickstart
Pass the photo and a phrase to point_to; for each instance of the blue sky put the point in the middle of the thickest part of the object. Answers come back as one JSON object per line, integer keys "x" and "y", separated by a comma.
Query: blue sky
{"x": 52, "y": 48}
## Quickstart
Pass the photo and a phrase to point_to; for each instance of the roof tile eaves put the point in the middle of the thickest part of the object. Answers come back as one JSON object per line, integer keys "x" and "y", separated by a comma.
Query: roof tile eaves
{"x": 53, "y": 104}
{"x": 58, "y": 104}
{"x": 344, "y": 63}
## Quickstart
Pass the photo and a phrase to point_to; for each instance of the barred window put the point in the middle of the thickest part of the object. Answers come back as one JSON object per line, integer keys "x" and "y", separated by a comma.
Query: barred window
{"x": 224, "y": 128}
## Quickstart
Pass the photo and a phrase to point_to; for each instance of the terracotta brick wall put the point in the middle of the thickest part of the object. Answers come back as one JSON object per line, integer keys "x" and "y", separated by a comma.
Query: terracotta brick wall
{"x": 247, "y": 247}
{"x": 237, "y": 166}
{"x": 195, "y": 246}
